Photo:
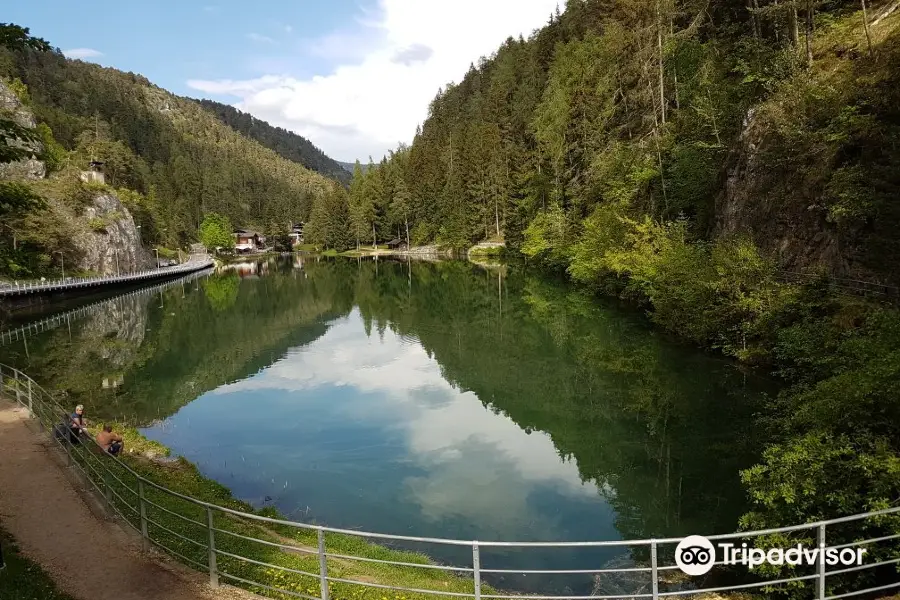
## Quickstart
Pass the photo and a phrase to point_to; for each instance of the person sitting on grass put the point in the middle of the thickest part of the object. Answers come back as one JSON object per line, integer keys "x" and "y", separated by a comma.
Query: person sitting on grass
{"x": 109, "y": 441}
{"x": 77, "y": 424}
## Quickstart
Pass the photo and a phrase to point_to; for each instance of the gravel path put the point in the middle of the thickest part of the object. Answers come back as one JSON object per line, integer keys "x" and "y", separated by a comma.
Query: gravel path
{"x": 88, "y": 557}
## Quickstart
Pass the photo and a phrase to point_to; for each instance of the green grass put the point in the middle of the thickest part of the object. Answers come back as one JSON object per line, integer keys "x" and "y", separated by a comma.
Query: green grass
{"x": 23, "y": 579}
{"x": 307, "y": 247}
{"x": 183, "y": 477}
{"x": 488, "y": 252}
{"x": 331, "y": 252}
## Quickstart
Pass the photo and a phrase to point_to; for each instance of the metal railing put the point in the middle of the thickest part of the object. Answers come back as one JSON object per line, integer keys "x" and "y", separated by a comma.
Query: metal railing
{"x": 15, "y": 334}
{"x": 215, "y": 539}
{"x": 195, "y": 263}
{"x": 844, "y": 286}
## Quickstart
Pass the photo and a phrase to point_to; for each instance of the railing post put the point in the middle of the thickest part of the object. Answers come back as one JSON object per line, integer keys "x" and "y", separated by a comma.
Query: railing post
{"x": 18, "y": 391}
{"x": 30, "y": 400}
{"x": 654, "y": 569}
{"x": 107, "y": 492}
{"x": 323, "y": 565}
{"x": 820, "y": 566}
{"x": 213, "y": 571}
{"x": 476, "y": 569}
{"x": 145, "y": 533}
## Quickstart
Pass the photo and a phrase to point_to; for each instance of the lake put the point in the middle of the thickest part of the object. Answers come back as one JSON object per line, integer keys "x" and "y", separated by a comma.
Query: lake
{"x": 427, "y": 399}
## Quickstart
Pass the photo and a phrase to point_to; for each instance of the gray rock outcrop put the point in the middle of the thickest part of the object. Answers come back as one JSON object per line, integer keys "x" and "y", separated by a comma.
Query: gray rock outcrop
{"x": 111, "y": 242}
{"x": 29, "y": 168}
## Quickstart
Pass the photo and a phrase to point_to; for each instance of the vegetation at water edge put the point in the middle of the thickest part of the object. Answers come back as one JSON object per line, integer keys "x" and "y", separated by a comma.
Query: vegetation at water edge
{"x": 179, "y": 475}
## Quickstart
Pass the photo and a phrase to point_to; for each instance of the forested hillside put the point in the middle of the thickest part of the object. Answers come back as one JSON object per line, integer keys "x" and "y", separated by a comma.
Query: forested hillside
{"x": 286, "y": 143}
{"x": 171, "y": 160}
{"x": 688, "y": 155}
{"x": 350, "y": 166}
{"x": 775, "y": 120}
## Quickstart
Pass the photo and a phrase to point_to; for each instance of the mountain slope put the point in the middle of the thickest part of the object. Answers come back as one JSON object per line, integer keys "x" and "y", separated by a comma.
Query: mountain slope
{"x": 287, "y": 144}
{"x": 182, "y": 160}
{"x": 349, "y": 166}
{"x": 734, "y": 120}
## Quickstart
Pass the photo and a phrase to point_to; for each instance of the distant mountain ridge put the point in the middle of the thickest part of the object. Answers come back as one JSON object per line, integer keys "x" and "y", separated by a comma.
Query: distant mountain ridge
{"x": 287, "y": 144}
{"x": 348, "y": 166}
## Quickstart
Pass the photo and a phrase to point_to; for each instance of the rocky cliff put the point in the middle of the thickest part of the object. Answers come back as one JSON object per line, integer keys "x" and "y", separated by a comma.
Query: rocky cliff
{"x": 813, "y": 176}
{"x": 12, "y": 108}
{"x": 102, "y": 235}
{"x": 783, "y": 213}
{"x": 108, "y": 239}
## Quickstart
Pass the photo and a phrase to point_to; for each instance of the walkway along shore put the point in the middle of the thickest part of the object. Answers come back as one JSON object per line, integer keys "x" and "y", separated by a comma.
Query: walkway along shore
{"x": 88, "y": 556}
{"x": 195, "y": 263}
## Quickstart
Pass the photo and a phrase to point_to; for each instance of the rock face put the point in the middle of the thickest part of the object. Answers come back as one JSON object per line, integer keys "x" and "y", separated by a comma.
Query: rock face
{"x": 110, "y": 242}
{"x": 783, "y": 215}
{"x": 30, "y": 168}
{"x": 105, "y": 234}
{"x": 115, "y": 331}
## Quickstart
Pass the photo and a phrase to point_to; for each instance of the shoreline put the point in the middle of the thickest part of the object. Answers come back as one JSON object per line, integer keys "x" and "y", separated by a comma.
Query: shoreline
{"x": 155, "y": 462}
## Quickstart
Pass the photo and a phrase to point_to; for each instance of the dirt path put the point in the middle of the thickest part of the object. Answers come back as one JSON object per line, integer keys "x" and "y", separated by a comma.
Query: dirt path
{"x": 88, "y": 557}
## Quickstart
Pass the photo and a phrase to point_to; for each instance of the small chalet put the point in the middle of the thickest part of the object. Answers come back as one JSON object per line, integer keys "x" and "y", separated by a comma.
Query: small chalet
{"x": 296, "y": 234}
{"x": 395, "y": 243}
{"x": 246, "y": 240}
{"x": 95, "y": 174}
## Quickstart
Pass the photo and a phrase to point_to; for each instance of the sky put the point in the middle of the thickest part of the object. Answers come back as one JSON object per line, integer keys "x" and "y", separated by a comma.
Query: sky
{"x": 355, "y": 77}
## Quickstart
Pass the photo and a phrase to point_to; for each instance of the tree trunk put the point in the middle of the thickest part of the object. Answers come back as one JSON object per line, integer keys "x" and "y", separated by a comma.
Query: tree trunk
{"x": 374, "y": 241}
{"x": 866, "y": 26}
{"x": 712, "y": 114}
{"x": 659, "y": 158}
{"x": 497, "y": 216}
{"x": 662, "y": 177}
{"x": 753, "y": 22}
{"x": 662, "y": 73}
{"x": 776, "y": 28}
{"x": 795, "y": 24}
{"x": 675, "y": 68}
{"x": 759, "y": 26}
{"x": 809, "y": 31}
{"x": 406, "y": 221}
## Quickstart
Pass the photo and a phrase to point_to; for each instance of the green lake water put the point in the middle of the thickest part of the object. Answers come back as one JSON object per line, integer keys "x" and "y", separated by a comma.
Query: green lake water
{"x": 425, "y": 399}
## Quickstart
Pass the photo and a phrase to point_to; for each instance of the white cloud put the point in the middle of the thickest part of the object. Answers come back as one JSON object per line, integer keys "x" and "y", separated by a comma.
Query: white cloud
{"x": 258, "y": 37}
{"x": 389, "y": 69}
{"x": 442, "y": 427}
{"x": 82, "y": 53}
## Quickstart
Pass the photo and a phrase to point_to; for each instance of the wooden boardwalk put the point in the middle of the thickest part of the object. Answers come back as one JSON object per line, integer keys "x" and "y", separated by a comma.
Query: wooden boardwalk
{"x": 195, "y": 263}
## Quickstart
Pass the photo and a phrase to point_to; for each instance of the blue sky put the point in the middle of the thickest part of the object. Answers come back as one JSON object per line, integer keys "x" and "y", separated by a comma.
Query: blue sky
{"x": 353, "y": 76}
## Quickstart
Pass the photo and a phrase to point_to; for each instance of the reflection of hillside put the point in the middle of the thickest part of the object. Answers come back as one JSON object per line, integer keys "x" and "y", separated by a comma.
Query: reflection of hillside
{"x": 91, "y": 352}
{"x": 662, "y": 428}
{"x": 193, "y": 343}
{"x": 665, "y": 428}
{"x": 117, "y": 330}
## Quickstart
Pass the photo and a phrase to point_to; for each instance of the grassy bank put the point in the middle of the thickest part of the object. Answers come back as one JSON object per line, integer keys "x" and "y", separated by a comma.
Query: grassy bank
{"x": 296, "y": 570}
{"x": 483, "y": 252}
{"x": 23, "y": 579}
